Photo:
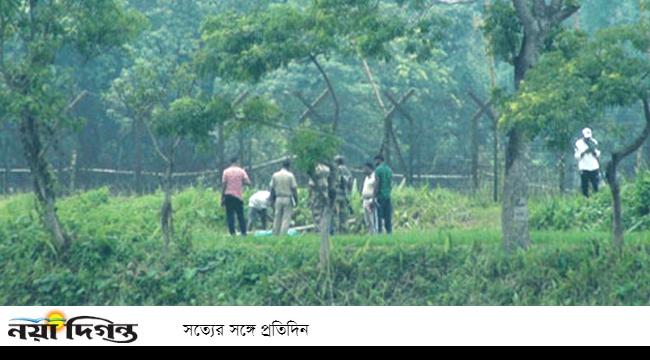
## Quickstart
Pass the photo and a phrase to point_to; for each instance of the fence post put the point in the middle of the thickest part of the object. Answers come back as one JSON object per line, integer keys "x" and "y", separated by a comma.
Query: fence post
{"x": 73, "y": 172}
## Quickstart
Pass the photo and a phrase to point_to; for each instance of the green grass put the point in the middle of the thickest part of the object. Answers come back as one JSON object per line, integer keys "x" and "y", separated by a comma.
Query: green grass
{"x": 448, "y": 253}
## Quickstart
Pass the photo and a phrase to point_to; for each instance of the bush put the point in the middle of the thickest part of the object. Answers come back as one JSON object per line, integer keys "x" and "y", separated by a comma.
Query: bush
{"x": 409, "y": 269}
{"x": 595, "y": 213}
{"x": 116, "y": 258}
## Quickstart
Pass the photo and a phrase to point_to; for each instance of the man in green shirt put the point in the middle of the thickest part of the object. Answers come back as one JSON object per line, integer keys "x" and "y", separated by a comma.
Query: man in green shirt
{"x": 383, "y": 190}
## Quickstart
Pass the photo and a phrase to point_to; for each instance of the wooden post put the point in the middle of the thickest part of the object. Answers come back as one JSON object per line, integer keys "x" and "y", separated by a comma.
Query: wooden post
{"x": 495, "y": 160}
{"x": 562, "y": 166}
{"x": 485, "y": 108}
{"x": 73, "y": 172}
{"x": 5, "y": 154}
{"x": 137, "y": 140}
{"x": 311, "y": 107}
{"x": 398, "y": 107}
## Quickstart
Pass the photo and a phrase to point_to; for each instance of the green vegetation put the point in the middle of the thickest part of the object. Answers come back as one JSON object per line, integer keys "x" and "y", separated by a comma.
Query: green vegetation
{"x": 578, "y": 213}
{"x": 148, "y": 98}
{"x": 116, "y": 257}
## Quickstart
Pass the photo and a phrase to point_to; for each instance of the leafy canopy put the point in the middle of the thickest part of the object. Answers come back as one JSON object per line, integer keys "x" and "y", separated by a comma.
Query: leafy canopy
{"x": 245, "y": 47}
{"x": 580, "y": 78}
{"x": 35, "y": 33}
{"x": 312, "y": 147}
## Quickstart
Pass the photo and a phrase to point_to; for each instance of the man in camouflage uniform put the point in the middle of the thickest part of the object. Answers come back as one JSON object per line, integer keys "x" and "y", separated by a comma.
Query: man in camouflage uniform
{"x": 344, "y": 184}
{"x": 318, "y": 193}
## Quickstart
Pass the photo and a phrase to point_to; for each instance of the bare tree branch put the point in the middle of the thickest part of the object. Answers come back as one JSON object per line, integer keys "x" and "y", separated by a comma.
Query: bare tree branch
{"x": 154, "y": 140}
{"x": 337, "y": 107}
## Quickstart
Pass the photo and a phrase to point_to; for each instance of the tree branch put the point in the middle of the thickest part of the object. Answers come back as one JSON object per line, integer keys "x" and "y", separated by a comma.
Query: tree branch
{"x": 154, "y": 140}
{"x": 641, "y": 139}
{"x": 76, "y": 101}
{"x": 562, "y": 13}
{"x": 375, "y": 86}
{"x": 337, "y": 108}
{"x": 240, "y": 99}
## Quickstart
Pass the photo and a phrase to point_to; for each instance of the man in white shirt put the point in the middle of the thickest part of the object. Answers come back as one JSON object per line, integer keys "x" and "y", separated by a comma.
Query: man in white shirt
{"x": 369, "y": 202}
{"x": 588, "y": 157}
{"x": 258, "y": 206}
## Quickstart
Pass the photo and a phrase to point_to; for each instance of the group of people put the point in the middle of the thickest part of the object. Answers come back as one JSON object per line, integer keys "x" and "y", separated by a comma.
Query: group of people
{"x": 376, "y": 192}
{"x": 377, "y": 196}
{"x": 282, "y": 197}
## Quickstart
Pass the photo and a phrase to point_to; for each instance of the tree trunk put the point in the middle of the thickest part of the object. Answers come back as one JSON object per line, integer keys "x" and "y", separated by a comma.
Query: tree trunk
{"x": 325, "y": 225}
{"x": 221, "y": 147}
{"x": 166, "y": 213}
{"x": 561, "y": 168}
{"x": 612, "y": 177}
{"x": 5, "y": 162}
{"x": 412, "y": 148}
{"x": 242, "y": 146}
{"x": 495, "y": 129}
{"x": 249, "y": 152}
{"x": 495, "y": 165}
{"x": 330, "y": 86}
{"x": 137, "y": 142}
{"x": 475, "y": 151}
{"x": 639, "y": 166}
{"x": 514, "y": 217}
{"x": 515, "y": 225}
{"x": 327, "y": 215}
{"x": 43, "y": 180}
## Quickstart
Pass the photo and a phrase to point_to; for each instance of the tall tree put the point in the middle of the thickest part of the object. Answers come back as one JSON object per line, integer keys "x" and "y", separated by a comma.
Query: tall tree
{"x": 185, "y": 118}
{"x": 582, "y": 79}
{"x": 519, "y": 32}
{"x": 35, "y": 32}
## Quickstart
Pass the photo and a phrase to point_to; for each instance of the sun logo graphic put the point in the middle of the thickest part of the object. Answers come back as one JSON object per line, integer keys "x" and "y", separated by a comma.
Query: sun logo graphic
{"x": 54, "y": 318}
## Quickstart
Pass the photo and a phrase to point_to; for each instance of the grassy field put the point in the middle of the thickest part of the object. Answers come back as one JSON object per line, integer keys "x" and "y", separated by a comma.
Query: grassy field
{"x": 447, "y": 251}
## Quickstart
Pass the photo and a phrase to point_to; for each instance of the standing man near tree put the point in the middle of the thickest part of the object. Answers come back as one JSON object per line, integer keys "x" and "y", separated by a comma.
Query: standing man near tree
{"x": 383, "y": 193}
{"x": 233, "y": 181}
{"x": 343, "y": 190}
{"x": 318, "y": 193}
{"x": 284, "y": 196}
{"x": 588, "y": 156}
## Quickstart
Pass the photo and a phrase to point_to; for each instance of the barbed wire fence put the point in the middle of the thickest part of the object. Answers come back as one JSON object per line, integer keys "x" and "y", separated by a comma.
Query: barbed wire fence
{"x": 544, "y": 180}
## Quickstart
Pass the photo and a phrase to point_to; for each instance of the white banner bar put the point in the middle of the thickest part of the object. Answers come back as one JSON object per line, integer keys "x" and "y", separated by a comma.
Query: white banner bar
{"x": 302, "y": 326}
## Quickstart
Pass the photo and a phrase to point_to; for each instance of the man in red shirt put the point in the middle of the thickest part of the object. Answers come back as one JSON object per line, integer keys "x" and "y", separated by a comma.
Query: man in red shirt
{"x": 233, "y": 182}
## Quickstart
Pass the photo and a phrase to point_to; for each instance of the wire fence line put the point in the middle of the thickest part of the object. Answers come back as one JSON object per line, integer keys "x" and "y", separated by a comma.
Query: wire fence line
{"x": 542, "y": 181}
